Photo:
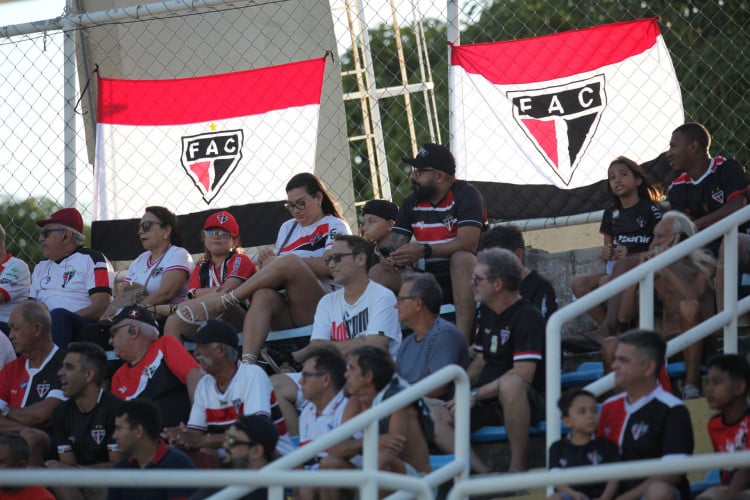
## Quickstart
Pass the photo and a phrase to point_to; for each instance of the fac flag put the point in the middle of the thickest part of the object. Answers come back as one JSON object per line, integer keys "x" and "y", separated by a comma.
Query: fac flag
{"x": 200, "y": 144}
{"x": 537, "y": 121}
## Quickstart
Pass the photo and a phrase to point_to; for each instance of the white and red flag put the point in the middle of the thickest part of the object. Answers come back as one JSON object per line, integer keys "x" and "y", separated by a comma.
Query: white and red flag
{"x": 550, "y": 113}
{"x": 201, "y": 144}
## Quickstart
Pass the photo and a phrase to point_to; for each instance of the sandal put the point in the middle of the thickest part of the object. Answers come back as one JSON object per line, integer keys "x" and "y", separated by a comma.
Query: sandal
{"x": 279, "y": 361}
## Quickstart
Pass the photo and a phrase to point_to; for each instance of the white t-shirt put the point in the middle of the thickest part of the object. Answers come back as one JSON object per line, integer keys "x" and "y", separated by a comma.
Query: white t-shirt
{"x": 69, "y": 283}
{"x": 312, "y": 425}
{"x": 311, "y": 241}
{"x": 15, "y": 280}
{"x": 174, "y": 258}
{"x": 249, "y": 392}
{"x": 374, "y": 313}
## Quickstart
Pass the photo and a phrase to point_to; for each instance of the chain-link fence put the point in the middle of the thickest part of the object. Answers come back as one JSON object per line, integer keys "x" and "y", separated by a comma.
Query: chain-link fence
{"x": 403, "y": 63}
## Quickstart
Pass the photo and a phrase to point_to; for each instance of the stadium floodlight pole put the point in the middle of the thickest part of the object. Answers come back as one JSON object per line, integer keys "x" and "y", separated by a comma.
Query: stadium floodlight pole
{"x": 69, "y": 115}
{"x": 454, "y": 38}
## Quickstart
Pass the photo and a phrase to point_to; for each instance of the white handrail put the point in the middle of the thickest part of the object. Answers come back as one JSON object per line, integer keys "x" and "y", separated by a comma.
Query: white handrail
{"x": 643, "y": 274}
{"x": 600, "y": 473}
{"x": 368, "y": 480}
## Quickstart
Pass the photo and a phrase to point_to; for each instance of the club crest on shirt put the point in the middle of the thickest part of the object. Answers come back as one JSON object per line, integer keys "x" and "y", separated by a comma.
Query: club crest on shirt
{"x": 563, "y": 462}
{"x": 157, "y": 271}
{"x": 718, "y": 196}
{"x": 237, "y": 403}
{"x": 594, "y": 458}
{"x": 450, "y": 222}
{"x": 98, "y": 435}
{"x": 149, "y": 371}
{"x": 639, "y": 430}
{"x": 68, "y": 275}
{"x": 210, "y": 159}
{"x": 504, "y": 336}
{"x": 641, "y": 222}
{"x": 42, "y": 389}
{"x": 560, "y": 121}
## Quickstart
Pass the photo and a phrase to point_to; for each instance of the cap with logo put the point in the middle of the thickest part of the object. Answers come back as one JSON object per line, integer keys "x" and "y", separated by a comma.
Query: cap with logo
{"x": 433, "y": 156}
{"x": 214, "y": 330}
{"x": 224, "y": 220}
{"x": 136, "y": 313}
{"x": 67, "y": 217}
{"x": 382, "y": 208}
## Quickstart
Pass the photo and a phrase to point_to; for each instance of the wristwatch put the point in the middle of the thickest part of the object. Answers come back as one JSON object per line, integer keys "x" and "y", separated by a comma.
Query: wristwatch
{"x": 427, "y": 250}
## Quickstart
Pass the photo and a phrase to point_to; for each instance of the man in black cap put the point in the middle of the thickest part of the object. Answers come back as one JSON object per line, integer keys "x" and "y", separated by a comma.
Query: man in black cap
{"x": 446, "y": 218}
{"x": 249, "y": 444}
{"x": 227, "y": 391}
{"x": 155, "y": 368}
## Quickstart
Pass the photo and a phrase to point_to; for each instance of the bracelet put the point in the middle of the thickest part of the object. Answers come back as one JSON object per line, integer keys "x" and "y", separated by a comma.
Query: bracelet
{"x": 249, "y": 359}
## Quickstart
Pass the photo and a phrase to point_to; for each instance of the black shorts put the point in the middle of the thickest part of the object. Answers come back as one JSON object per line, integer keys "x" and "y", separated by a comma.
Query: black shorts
{"x": 490, "y": 413}
{"x": 442, "y": 272}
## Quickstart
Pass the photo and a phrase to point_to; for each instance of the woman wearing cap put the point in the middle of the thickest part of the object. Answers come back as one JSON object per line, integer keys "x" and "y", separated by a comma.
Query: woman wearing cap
{"x": 164, "y": 268}
{"x": 292, "y": 278}
{"x": 222, "y": 269}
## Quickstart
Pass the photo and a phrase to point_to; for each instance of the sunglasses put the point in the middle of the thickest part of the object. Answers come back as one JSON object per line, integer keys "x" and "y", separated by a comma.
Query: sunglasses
{"x": 146, "y": 225}
{"x": 299, "y": 205}
{"x": 336, "y": 257}
{"x": 311, "y": 374}
{"x": 216, "y": 233}
{"x": 232, "y": 441}
{"x": 46, "y": 232}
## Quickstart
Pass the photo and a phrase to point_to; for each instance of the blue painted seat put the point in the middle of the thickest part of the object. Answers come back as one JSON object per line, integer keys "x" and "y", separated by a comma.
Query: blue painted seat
{"x": 437, "y": 461}
{"x": 494, "y": 433}
{"x": 585, "y": 374}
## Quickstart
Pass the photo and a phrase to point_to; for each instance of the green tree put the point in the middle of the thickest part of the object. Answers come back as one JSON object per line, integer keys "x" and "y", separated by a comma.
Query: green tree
{"x": 21, "y": 232}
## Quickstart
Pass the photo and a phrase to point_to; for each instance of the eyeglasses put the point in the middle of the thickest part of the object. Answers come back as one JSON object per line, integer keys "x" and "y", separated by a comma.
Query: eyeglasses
{"x": 336, "y": 257}
{"x": 311, "y": 374}
{"x": 232, "y": 441}
{"x": 476, "y": 279}
{"x": 146, "y": 225}
{"x": 406, "y": 297}
{"x": 216, "y": 233}
{"x": 46, "y": 232}
{"x": 417, "y": 172}
{"x": 298, "y": 205}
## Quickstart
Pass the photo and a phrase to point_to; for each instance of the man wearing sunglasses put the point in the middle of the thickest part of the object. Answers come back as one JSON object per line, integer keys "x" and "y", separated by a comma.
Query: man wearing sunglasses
{"x": 248, "y": 444}
{"x": 446, "y": 217}
{"x": 74, "y": 282}
{"x": 508, "y": 371}
{"x": 362, "y": 312}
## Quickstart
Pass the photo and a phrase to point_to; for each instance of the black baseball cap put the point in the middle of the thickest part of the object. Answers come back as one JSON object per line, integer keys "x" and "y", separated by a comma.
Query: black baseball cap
{"x": 214, "y": 330}
{"x": 133, "y": 312}
{"x": 382, "y": 208}
{"x": 260, "y": 429}
{"x": 433, "y": 156}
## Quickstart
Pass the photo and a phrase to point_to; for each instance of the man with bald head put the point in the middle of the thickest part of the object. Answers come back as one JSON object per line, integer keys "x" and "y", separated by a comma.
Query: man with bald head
{"x": 30, "y": 389}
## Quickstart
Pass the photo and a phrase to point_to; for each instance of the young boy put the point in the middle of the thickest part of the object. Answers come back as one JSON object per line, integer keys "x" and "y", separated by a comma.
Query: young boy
{"x": 580, "y": 414}
{"x": 726, "y": 390}
{"x": 379, "y": 216}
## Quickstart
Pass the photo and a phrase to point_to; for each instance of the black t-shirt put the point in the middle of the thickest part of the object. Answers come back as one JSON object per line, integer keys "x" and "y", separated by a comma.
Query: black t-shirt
{"x": 516, "y": 334}
{"x": 564, "y": 454}
{"x": 90, "y": 436}
{"x": 632, "y": 227}
{"x": 539, "y": 292}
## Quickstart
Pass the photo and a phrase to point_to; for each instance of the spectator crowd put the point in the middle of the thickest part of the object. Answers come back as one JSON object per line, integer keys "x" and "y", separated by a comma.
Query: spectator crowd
{"x": 374, "y": 305}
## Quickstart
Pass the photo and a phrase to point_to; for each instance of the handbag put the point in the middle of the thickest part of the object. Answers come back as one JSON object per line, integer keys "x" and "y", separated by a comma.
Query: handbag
{"x": 127, "y": 293}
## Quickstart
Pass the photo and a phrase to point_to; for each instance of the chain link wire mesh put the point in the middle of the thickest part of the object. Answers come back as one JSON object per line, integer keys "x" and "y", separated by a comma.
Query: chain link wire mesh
{"x": 394, "y": 81}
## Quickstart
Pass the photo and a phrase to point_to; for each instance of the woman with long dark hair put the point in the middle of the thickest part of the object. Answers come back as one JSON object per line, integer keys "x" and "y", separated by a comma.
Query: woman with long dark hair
{"x": 291, "y": 278}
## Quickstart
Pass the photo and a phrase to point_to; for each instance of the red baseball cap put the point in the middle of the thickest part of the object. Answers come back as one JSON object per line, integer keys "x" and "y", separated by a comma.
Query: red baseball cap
{"x": 67, "y": 217}
{"x": 224, "y": 220}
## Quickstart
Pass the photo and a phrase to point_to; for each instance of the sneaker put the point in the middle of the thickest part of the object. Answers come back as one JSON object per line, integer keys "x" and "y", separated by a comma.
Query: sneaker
{"x": 689, "y": 391}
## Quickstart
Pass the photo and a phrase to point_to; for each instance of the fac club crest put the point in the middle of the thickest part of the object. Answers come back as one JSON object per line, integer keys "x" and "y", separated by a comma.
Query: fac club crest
{"x": 210, "y": 159}
{"x": 42, "y": 389}
{"x": 561, "y": 120}
{"x": 718, "y": 196}
{"x": 98, "y": 435}
{"x": 639, "y": 430}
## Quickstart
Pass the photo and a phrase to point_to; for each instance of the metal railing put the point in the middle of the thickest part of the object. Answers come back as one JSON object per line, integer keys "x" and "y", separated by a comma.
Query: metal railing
{"x": 277, "y": 474}
{"x": 643, "y": 274}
